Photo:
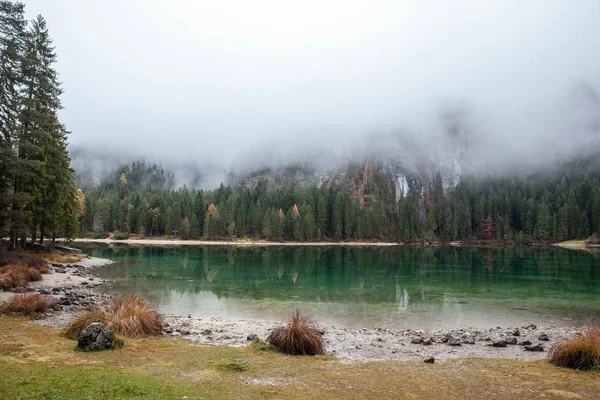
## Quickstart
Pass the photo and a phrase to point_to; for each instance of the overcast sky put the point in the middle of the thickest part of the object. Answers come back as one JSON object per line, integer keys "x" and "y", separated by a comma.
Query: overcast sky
{"x": 210, "y": 80}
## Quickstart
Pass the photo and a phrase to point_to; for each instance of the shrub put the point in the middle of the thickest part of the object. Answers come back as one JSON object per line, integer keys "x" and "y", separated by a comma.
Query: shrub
{"x": 582, "y": 351}
{"x": 129, "y": 316}
{"x": 300, "y": 336}
{"x": 118, "y": 235}
{"x": 30, "y": 304}
{"x": 100, "y": 235}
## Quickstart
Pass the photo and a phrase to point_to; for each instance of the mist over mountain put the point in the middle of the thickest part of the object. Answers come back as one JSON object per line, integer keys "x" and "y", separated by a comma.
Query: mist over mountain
{"x": 456, "y": 139}
{"x": 229, "y": 88}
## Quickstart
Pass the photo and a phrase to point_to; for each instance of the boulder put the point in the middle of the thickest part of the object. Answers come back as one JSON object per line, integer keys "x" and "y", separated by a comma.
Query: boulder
{"x": 525, "y": 343}
{"x": 499, "y": 343}
{"x": 416, "y": 340}
{"x": 427, "y": 342}
{"x": 516, "y": 332}
{"x": 543, "y": 337}
{"x": 96, "y": 337}
{"x": 511, "y": 340}
{"x": 469, "y": 340}
{"x": 452, "y": 341}
{"x": 535, "y": 347}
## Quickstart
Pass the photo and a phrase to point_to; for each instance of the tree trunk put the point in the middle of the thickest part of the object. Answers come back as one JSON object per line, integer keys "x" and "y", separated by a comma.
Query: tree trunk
{"x": 42, "y": 233}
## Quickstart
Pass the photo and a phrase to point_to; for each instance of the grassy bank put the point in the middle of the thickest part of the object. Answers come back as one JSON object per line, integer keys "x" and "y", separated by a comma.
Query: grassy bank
{"x": 37, "y": 362}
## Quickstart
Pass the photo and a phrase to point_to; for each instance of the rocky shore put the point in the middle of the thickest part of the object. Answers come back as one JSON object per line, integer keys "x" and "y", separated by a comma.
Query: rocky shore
{"x": 527, "y": 342}
{"x": 73, "y": 287}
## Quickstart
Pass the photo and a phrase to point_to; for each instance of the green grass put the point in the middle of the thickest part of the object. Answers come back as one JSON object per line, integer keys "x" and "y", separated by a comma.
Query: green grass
{"x": 39, "y": 381}
{"x": 39, "y": 363}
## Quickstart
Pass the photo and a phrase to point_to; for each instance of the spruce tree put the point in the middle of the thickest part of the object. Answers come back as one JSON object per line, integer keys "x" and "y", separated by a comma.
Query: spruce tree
{"x": 12, "y": 45}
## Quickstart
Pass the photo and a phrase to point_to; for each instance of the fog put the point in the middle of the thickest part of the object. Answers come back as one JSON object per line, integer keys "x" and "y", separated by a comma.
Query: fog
{"x": 232, "y": 85}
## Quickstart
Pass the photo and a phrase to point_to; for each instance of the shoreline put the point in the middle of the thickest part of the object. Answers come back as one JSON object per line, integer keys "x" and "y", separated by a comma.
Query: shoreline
{"x": 74, "y": 287}
{"x": 571, "y": 245}
{"x": 178, "y": 242}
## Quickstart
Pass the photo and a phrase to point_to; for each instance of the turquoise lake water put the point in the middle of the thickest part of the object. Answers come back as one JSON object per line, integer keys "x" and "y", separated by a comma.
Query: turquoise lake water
{"x": 399, "y": 287}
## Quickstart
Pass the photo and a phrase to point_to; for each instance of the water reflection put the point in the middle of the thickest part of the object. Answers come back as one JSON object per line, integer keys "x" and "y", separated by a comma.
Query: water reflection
{"x": 368, "y": 287}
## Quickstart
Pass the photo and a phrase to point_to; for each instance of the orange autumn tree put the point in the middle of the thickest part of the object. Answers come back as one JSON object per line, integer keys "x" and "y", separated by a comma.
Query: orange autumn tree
{"x": 212, "y": 223}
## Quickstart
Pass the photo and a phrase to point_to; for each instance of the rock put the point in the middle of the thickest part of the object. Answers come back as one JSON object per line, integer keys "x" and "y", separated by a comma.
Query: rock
{"x": 499, "y": 343}
{"x": 429, "y": 360}
{"x": 251, "y": 337}
{"x": 57, "y": 307}
{"x": 184, "y": 332}
{"x": 452, "y": 341}
{"x": 206, "y": 332}
{"x": 468, "y": 340}
{"x": 65, "y": 302}
{"x": 96, "y": 337}
{"x": 535, "y": 347}
{"x": 445, "y": 338}
{"x": 525, "y": 343}
{"x": 427, "y": 342}
{"x": 543, "y": 337}
{"x": 511, "y": 340}
{"x": 530, "y": 326}
{"x": 416, "y": 340}
{"x": 516, "y": 332}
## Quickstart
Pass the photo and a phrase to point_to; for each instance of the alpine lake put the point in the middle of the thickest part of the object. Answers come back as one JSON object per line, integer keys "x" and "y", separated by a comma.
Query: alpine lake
{"x": 396, "y": 287}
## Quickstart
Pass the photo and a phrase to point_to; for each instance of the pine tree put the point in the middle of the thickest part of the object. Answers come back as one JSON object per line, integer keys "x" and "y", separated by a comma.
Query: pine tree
{"x": 12, "y": 45}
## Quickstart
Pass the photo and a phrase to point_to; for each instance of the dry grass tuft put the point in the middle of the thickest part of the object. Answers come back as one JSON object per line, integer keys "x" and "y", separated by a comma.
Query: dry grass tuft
{"x": 130, "y": 316}
{"x": 300, "y": 336}
{"x": 579, "y": 352}
{"x": 29, "y": 304}
{"x": 63, "y": 258}
{"x": 18, "y": 268}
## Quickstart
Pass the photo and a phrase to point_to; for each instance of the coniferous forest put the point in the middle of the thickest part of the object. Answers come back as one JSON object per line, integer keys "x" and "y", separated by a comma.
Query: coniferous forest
{"x": 550, "y": 207}
{"x": 38, "y": 196}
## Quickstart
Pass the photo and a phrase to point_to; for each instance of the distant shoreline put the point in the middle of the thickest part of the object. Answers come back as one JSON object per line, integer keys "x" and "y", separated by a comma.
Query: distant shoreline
{"x": 572, "y": 244}
{"x": 177, "y": 242}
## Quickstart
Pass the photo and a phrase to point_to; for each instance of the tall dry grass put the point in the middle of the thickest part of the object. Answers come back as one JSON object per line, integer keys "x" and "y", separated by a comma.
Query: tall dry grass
{"x": 300, "y": 336}
{"x": 28, "y": 304}
{"x": 18, "y": 268}
{"x": 130, "y": 316}
{"x": 581, "y": 351}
